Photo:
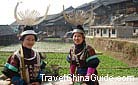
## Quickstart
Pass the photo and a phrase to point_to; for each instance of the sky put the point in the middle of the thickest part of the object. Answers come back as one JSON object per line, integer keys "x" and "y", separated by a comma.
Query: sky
{"x": 56, "y": 6}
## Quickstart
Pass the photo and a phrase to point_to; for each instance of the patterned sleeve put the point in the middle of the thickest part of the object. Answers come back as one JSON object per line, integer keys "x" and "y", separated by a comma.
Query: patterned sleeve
{"x": 11, "y": 68}
{"x": 69, "y": 59}
{"x": 92, "y": 59}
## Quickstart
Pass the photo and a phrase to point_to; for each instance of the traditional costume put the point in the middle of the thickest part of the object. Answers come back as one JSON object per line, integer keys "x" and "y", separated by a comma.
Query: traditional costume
{"x": 25, "y": 65}
{"x": 82, "y": 57}
{"x": 33, "y": 62}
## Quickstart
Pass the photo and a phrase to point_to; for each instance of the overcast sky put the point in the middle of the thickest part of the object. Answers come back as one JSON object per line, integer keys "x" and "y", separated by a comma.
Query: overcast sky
{"x": 56, "y": 6}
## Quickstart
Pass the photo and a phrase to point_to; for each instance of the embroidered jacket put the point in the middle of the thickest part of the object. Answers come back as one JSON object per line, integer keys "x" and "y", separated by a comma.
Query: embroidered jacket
{"x": 33, "y": 66}
{"x": 84, "y": 59}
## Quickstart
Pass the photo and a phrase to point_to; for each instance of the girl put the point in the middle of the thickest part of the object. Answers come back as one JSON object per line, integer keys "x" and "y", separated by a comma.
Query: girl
{"x": 25, "y": 65}
{"x": 83, "y": 58}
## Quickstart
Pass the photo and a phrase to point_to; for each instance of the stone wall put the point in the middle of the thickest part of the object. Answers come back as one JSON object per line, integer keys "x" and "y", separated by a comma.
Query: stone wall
{"x": 124, "y": 50}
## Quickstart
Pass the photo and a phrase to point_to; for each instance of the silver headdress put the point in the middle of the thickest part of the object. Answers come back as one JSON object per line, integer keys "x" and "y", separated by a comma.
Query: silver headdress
{"x": 77, "y": 18}
{"x": 29, "y": 18}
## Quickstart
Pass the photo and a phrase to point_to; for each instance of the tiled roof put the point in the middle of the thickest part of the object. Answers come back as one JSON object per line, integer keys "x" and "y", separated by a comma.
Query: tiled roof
{"x": 6, "y": 30}
{"x": 99, "y": 3}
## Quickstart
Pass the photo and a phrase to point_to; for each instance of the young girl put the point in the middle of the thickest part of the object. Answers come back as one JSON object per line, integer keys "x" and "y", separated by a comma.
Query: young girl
{"x": 83, "y": 58}
{"x": 25, "y": 65}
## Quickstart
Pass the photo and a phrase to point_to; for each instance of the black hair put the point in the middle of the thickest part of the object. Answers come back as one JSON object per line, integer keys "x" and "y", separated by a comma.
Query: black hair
{"x": 80, "y": 27}
{"x": 28, "y": 28}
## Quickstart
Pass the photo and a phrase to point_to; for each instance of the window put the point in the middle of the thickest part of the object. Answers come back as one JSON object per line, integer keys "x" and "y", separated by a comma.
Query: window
{"x": 104, "y": 31}
{"x": 113, "y": 31}
{"x": 97, "y": 31}
{"x": 134, "y": 31}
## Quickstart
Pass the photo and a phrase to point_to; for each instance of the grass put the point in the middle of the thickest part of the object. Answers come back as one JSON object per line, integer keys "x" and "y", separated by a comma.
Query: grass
{"x": 108, "y": 65}
{"x": 113, "y": 67}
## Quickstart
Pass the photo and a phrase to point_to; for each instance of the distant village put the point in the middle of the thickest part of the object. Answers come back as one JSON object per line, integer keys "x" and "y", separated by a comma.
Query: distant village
{"x": 107, "y": 19}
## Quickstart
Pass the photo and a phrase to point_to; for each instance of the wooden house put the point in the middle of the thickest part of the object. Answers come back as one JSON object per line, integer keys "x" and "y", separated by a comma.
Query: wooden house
{"x": 111, "y": 31}
{"x": 55, "y": 25}
{"x": 119, "y": 16}
{"x": 7, "y": 35}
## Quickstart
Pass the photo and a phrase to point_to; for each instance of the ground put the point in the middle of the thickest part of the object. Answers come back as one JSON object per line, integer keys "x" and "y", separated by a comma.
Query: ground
{"x": 64, "y": 47}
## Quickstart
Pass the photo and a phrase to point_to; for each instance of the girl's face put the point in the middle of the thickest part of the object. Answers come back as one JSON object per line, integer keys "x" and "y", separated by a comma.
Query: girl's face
{"x": 29, "y": 41}
{"x": 78, "y": 38}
